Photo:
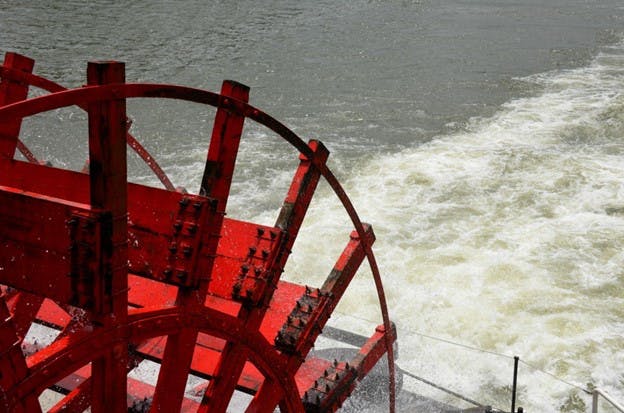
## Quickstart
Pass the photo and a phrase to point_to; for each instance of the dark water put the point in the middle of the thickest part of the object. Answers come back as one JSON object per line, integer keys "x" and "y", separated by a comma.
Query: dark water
{"x": 483, "y": 140}
{"x": 390, "y": 73}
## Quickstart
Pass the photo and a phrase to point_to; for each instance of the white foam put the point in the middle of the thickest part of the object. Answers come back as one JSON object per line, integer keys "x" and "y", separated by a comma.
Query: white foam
{"x": 508, "y": 235}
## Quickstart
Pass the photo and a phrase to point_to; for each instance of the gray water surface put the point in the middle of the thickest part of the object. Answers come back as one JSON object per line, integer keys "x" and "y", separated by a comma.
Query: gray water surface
{"x": 410, "y": 69}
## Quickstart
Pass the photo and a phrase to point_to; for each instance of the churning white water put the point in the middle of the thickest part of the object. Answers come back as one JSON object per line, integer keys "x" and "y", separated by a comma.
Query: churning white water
{"x": 507, "y": 236}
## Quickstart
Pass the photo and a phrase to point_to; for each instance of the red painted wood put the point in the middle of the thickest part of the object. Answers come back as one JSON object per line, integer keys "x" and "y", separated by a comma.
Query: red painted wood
{"x": 161, "y": 271}
{"x": 289, "y": 221}
{"x": 24, "y": 307}
{"x": 12, "y": 91}
{"x": 306, "y": 325}
{"x": 35, "y": 255}
{"x": 13, "y": 366}
{"x": 108, "y": 191}
{"x": 216, "y": 183}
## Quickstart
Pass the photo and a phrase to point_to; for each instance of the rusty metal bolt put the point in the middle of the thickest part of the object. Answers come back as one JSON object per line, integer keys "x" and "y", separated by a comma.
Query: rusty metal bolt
{"x": 177, "y": 226}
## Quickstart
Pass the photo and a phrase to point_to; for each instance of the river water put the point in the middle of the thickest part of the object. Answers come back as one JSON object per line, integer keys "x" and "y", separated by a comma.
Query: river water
{"x": 482, "y": 139}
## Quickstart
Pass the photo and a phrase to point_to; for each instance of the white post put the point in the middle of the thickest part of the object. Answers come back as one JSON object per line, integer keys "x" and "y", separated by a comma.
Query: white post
{"x": 608, "y": 398}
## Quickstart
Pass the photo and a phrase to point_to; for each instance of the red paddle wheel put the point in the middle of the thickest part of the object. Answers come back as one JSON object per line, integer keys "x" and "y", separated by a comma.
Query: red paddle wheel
{"x": 126, "y": 272}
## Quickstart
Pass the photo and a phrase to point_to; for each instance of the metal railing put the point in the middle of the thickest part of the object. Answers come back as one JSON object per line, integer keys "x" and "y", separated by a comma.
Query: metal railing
{"x": 355, "y": 339}
{"x": 598, "y": 392}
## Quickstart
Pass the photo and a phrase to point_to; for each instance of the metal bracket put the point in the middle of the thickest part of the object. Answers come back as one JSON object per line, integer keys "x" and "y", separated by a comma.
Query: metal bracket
{"x": 331, "y": 389}
{"x": 257, "y": 270}
{"x": 297, "y": 335}
{"x": 185, "y": 244}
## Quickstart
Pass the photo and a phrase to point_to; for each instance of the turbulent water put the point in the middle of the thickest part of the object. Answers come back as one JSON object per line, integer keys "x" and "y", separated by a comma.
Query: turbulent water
{"x": 483, "y": 140}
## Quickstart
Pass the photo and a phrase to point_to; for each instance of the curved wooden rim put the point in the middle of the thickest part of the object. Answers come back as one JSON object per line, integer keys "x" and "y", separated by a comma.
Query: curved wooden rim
{"x": 63, "y": 358}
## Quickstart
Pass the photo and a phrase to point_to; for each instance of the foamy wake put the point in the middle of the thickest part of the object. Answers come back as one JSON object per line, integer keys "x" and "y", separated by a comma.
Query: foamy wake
{"x": 508, "y": 236}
